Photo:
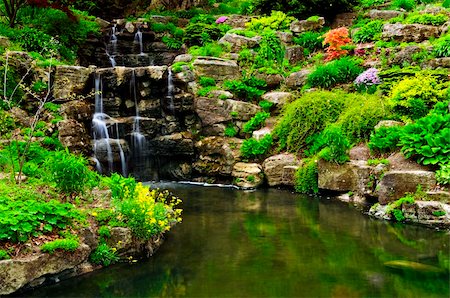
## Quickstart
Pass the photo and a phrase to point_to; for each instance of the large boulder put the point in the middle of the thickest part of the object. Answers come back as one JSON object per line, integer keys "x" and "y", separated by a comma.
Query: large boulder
{"x": 216, "y": 68}
{"x": 211, "y": 111}
{"x": 395, "y": 184}
{"x": 301, "y": 26}
{"x": 77, "y": 109}
{"x": 73, "y": 135}
{"x": 297, "y": 79}
{"x": 278, "y": 99}
{"x": 274, "y": 167}
{"x": 71, "y": 81}
{"x": 404, "y": 54}
{"x": 438, "y": 63}
{"x": 409, "y": 32}
{"x": 247, "y": 175}
{"x": 294, "y": 54}
{"x": 239, "y": 42}
{"x": 217, "y": 156}
{"x": 376, "y": 14}
{"x": 241, "y": 110}
{"x": 272, "y": 80}
{"x": 110, "y": 150}
{"x": 172, "y": 145}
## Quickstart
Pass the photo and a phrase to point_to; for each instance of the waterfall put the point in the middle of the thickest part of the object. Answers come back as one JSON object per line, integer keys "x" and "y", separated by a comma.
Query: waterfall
{"x": 113, "y": 46}
{"x": 101, "y": 122}
{"x": 138, "y": 39}
{"x": 170, "y": 90}
{"x": 138, "y": 139}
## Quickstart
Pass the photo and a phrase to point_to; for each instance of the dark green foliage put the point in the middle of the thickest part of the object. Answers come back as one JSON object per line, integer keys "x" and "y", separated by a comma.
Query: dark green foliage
{"x": 247, "y": 88}
{"x": 104, "y": 232}
{"x": 306, "y": 177}
{"x": 253, "y": 148}
{"x": 230, "y": 131}
{"x": 256, "y": 122}
{"x": 395, "y": 208}
{"x": 206, "y": 82}
{"x": 172, "y": 43}
{"x": 60, "y": 244}
{"x": 331, "y": 145}
{"x": 21, "y": 219}
{"x": 104, "y": 255}
{"x": 405, "y": 4}
{"x": 385, "y": 139}
{"x": 442, "y": 47}
{"x": 201, "y": 34}
{"x": 369, "y": 32}
{"x": 265, "y": 105}
{"x": 310, "y": 40}
{"x": 306, "y": 8}
{"x": 4, "y": 255}
{"x": 340, "y": 71}
{"x": 446, "y": 4}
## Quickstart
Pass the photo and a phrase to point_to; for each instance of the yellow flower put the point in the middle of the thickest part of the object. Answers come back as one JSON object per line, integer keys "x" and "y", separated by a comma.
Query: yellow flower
{"x": 94, "y": 214}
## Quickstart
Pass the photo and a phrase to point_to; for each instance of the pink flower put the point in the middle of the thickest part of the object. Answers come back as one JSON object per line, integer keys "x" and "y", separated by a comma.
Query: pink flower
{"x": 221, "y": 20}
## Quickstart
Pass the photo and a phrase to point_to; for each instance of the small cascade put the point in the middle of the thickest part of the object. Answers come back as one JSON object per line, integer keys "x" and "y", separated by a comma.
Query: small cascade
{"x": 103, "y": 138}
{"x": 111, "y": 49}
{"x": 138, "y": 39}
{"x": 138, "y": 139}
{"x": 170, "y": 88}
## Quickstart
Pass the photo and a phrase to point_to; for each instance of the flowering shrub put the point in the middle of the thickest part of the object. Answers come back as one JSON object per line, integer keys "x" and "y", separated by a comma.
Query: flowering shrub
{"x": 336, "y": 39}
{"x": 368, "y": 81}
{"x": 149, "y": 212}
{"x": 221, "y": 20}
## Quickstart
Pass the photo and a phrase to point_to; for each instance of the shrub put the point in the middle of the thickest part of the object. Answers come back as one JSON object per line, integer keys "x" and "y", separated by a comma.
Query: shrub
{"x": 230, "y": 131}
{"x": 369, "y": 32}
{"x": 104, "y": 255}
{"x": 201, "y": 33}
{"x": 172, "y": 43}
{"x": 446, "y": 4}
{"x": 426, "y": 19}
{"x": 336, "y": 39}
{"x": 265, "y": 105}
{"x": 442, "y": 47}
{"x": 385, "y": 139}
{"x": 248, "y": 88}
{"x": 4, "y": 255}
{"x": 310, "y": 40}
{"x": 211, "y": 49}
{"x": 331, "y": 145}
{"x": 443, "y": 174}
{"x": 277, "y": 21}
{"x": 271, "y": 51}
{"x": 370, "y": 3}
{"x": 256, "y": 122}
{"x": 405, "y": 4}
{"x": 306, "y": 177}
{"x": 207, "y": 82}
{"x": 104, "y": 232}
{"x": 336, "y": 72}
{"x": 253, "y": 148}
{"x": 122, "y": 188}
{"x": 69, "y": 172}
{"x": 60, "y": 244}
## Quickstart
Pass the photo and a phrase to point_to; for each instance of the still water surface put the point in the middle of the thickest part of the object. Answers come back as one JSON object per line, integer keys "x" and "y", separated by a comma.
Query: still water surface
{"x": 272, "y": 243}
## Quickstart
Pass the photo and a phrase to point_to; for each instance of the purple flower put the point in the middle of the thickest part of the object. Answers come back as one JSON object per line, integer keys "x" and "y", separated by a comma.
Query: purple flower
{"x": 221, "y": 20}
{"x": 368, "y": 78}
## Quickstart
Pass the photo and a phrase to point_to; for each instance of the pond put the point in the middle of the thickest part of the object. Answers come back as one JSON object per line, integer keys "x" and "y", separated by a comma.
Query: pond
{"x": 263, "y": 243}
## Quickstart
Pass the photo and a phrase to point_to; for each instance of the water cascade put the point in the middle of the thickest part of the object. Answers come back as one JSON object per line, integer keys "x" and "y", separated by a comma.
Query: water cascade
{"x": 111, "y": 48}
{"x": 170, "y": 90}
{"x": 138, "y": 139}
{"x": 138, "y": 39}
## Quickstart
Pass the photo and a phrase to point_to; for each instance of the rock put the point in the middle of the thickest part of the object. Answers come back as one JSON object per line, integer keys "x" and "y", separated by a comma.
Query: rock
{"x": 398, "y": 161}
{"x": 21, "y": 62}
{"x": 238, "y": 21}
{"x": 216, "y": 68}
{"x": 298, "y": 27}
{"x": 211, "y": 111}
{"x": 103, "y": 24}
{"x": 376, "y": 14}
{"x": 344, "y": 20}
{"x": 73, "y": 135}
{"x": 247, "y": 175}
{"x": 217, "y": 156}
{"x": 288, "y": 177}
{"x": 77, "y": 109}
{"x": 20, "y": 116}
{"x": 261, "y": 133}
{"x": 150, "y": 107}
{"x": 129, "y": 26}
{"x": 239, "y": 42}
{"x": 351, "y": 176}
{"x": 405, "y": 54}
{"x": 388, "y": 123}
{"x": 274, "y": 167}
{"x": 183, "y": 58}
{"x": 279, "y": 99}
{"x": 285, "y": 37}
{"x": 360, "y": 152}
{"x": 272, "y": 80}
{"x": 409, "y": 32}
{"x": 294, "y": 54}
{"x": 221, "y": 94}
{"x": 241, "y": 110}
{"x": 17, "y": 273}
{"x": 297, "y": 79}
{"x": 172, "y": 145}
{"x": 395, "y": 184}
{"x": 185, "y": 76}
{"x": 113, "y": 148}
{"x": 439, "y": 196}
{"x": 4, "y": 42}
{"x": 437, "y": 63}
{"x": 71, "y": 81}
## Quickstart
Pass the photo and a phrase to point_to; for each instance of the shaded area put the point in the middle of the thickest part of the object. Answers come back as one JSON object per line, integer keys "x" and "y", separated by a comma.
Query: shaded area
{"x": 274, "y": 243}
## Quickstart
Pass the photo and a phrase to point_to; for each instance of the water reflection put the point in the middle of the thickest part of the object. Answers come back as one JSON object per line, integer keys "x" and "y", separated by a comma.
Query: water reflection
{"x": 274, "y": 243}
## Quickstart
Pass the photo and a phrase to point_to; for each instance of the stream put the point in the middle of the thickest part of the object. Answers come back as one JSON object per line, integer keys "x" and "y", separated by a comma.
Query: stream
{"x": 273, "y": 243}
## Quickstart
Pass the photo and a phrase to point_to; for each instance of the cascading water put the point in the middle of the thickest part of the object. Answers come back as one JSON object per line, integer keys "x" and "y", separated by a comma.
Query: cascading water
{"x": 112, "y": 46}
{"x": 138, "y": 39}
{"x": 138, "y": 139}
{"x": 170, "y": 88}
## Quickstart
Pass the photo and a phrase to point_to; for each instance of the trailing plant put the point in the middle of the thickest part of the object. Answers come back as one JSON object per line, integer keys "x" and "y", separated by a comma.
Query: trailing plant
{"x": 70, "y": 244}
{"x": 306, "y": 177}
{"x": 336, "y": 39}
{"x": 256, "y": 122}
{"x": 104, "y": 255}
{"x": 252, "y": 148}
{"x": 336, "y": 72}
{"x": 394, "y": 208}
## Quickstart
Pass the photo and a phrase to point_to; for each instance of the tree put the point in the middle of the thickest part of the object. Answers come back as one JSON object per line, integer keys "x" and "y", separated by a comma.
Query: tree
{"x": 10, "y": 9}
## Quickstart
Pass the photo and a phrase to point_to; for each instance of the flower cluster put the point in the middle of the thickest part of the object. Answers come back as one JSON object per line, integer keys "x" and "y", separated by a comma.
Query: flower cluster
{"x": 336, "y": 39}
{"x": 221, "y": 20}
{"x": 368, "y": 78}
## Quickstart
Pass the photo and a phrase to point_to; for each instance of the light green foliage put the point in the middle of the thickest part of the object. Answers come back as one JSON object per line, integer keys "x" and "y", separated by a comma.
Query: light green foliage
{"x": 206, "y": 82}
{"x": 310, "y": 40}
{"x": 172, "y": 43}
{"x": 369, "y": 32}
{"x": 70, "y": 244}
{"x": 335, "y": 72}
{"x": 426, "y": 19}
{"x": 6, "y": 124}
{"x": 306, "y": 177}
{"x": 230, "y": 131}
{"x": 256, "y": 122}
{"x": 247, "y": 88}
{"x": 121, "y": 188}
{"x": 104, "y": 255}
{"x": 252, "y": 148}
{"x": 178, "y": 66}
{"x": 394, "y": 208}
{"x": 376, "y": 162}
{"x": 405, "y": 4}
{"x": 265, "y": 105}
{"x": 330, "y": 145}
{"x": 205, "y": 91}
{"x": 441, "y": 47}
{"x": 385, "y": 139}
{"x": 371, "y": 3}
{"x": 271, "y": 51}
{"x": 104, "y": 232}
{"x": 443, "y": 174}
{"x": 276, "y": 21}
{"x": 211, "y": 49}
{"x": 242, "y": 32}
{"x": 4, "y": 255}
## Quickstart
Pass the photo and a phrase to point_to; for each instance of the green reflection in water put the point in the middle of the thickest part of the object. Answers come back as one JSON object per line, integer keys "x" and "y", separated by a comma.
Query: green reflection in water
{"x": 273, "y": 244}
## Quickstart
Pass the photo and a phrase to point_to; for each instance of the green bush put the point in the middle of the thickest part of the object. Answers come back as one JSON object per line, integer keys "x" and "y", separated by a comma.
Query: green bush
{"x": 310, "y": 40}
{"x": 331, "y": 145}
{"x": 206, "y": 82}
{"x": 253, "y": 148}
{"x": 265, "y": 105}
{"x": 60, "y": 244}
{"x": 104, "y": 255}
{"x": 210, "y": 49}
{"x": 426, "y": 19}
{"x": 201, "y": 34}
{"x": 271, "y": 51}
{"x": 306, "y": 177}
{"x": 247, "y": 88}
{"x": 394, "y": 208}
{"x": 178, "y": 66}
{"x": 104, "y": 232}
{"x": 4, "y": 255}
{"x": 256, "y": 122}
{"x": 122, "y": 188}
{"x": 344, "y": 70}
{"x": 277, "y": 21}
{"x": 446, "y": 4}
{"x": 371, "y": 3}
{"x": 230, "y": 131}
{"x": 369, "y": 32}
{"x": 405, "y": 4}
{"x": 443, "y": 174}
{"x": 385, "y": 139}
{"x": 441, "y": 47}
